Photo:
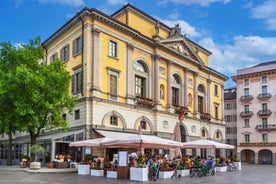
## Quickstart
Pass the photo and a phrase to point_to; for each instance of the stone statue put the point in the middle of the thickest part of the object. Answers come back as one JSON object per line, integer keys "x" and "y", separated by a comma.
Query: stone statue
{"x": 157, "y": 27}
{"x": 176, "y": 31}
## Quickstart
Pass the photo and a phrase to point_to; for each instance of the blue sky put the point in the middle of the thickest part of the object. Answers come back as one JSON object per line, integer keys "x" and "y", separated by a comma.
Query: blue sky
{"x": 239, "y": 33}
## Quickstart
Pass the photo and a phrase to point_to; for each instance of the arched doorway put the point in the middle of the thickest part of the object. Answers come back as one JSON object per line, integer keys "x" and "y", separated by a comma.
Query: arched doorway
{"x": 265, "y": 157}
{"x": 247, "y": 156}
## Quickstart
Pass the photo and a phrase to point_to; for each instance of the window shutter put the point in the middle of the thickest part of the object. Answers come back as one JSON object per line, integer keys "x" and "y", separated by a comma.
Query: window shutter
{"x": 67, "y": 53}
{"x": 80, "y": 44}
{"x": 79, "y": 82}
{"x": 74, "y": 47}
{"x": 73, "y": 84}
{"x": 62, "y": 54}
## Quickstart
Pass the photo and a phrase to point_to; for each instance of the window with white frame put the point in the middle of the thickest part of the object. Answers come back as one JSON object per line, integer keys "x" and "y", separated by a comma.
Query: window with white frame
{"x": 114, "y": 120}
{"x": 246, "y": 92}
{"x": 77, "y": 114}
{"x": 77, "y": 46}
{"x": 246, "y": 122}
{"x": 264, "y": 122}
{"x": 200, "y": 97}
{"x": 77, "y": 82}
{"x": 64, "y": 53}
{"x": 112, "y": 51}
{"x": 264, "y": 79}
{"x": 143, "y": 125}
{"x": 141, "y": 78}
{"x": 176, "y": 83}
{"x": 264, "y": 90}
{"x": 265, "y": 137}
{"x": 113, "y": 84}
{"x": 216, "y": 90}
{"x": 53, "y": 57}
{"x": 216, "y": 111}
{"x": 246, "y": 82}
{"x": 247, "y": 138}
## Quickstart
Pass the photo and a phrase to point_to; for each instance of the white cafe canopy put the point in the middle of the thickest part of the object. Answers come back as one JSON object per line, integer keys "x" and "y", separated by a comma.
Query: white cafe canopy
{"x": 204, "y": 143}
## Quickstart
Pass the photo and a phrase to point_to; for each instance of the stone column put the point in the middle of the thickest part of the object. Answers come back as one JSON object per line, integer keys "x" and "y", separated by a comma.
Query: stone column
{"x": 169, "y": 88}
{"x": 195, "y": 94}
{"x": 186, "y": 86}
{"x": 222, "y": 103}
{"x": 155, "y": 81}
{"x": 130, "y": 74}
{"x": 209, "y": 97}
{"x": 95, "y": 62}
{"x": 273, "y": 158}
{"x": 256, "y": 158}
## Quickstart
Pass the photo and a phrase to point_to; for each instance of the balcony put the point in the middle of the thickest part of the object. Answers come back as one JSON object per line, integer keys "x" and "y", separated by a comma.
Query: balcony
{"x": 266, "y": 127}
{"x": 205, "y": 116}
{"x": 179, "y": 109}
{"x": 246, "y": 98}
{"x": 263, "y": 113}
{"x": 144, "y": 102}
{"x": 246, "y": 114}
{"x": 264, "y": 96}
{"x": 257, "y": 144}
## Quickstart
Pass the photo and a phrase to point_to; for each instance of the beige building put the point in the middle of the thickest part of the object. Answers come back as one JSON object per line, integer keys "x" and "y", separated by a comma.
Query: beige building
{"x": 256, "y": 104}
{"x": 230, "y": 118}
{"x": 130, "y": 69}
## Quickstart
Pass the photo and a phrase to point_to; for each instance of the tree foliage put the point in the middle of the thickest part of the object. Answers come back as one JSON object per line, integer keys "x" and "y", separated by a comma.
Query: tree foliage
{"x": 33, "y": 97}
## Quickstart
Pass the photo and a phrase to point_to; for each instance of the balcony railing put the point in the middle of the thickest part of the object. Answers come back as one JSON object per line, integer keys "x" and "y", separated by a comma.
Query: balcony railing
{"x": 145, "y": 102}
{"x": 179, "y": 109}
{"x": 257, "y": 144}
{"x": 246, "y": 98}
{"x": 264, "y": 96}
{"x": 266, "y": 127}
{"x": 205, "y": 116}
{"x": 262, "y": 113}
{"x": 246, "y": 114}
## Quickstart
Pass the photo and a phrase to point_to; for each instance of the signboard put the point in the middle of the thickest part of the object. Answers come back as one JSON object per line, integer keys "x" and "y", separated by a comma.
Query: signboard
{"x": 181, "y": 116}
{"x": 122, "y": 158}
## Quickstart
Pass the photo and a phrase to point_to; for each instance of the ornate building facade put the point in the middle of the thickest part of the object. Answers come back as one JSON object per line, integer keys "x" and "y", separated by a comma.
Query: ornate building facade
{"x": 256, "y": 105}
{"x": 130, "y": 69}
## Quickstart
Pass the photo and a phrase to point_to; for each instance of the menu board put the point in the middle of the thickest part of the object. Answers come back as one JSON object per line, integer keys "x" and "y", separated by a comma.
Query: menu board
{"x": 122, "y": 158}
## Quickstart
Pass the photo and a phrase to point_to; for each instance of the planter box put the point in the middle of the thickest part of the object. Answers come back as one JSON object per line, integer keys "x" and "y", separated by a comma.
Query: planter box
{"x": 238, "y": 165}
{"x": 84, "y": 169}
{"x": 165, "y": 174}
{"x": 111, "y": 174}
{"x": 95, "y": 172}
{"x": 185, "y": 172}
{"x": 139, "y": 174}
{"x": 221, "y": 169}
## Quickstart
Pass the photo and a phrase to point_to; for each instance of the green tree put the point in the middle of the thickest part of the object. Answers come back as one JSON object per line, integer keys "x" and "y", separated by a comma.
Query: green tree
{"x": 33, "y": 97}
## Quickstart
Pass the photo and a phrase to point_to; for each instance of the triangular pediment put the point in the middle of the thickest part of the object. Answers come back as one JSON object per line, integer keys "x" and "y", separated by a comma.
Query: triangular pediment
{"x": 180, "y": 44}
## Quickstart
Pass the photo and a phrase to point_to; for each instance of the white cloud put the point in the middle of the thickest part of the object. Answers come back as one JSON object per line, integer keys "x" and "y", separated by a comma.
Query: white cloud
{"x": 246, "y": 51}
{"x": 74, "y": 3}
{"x": 190, "y": 2}
{"x": 186, "y": 28}
{"x": 266, "y": 11}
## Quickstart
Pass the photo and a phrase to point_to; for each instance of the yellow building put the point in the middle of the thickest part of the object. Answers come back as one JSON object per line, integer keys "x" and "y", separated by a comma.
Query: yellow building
{"x": 130, "y": 69}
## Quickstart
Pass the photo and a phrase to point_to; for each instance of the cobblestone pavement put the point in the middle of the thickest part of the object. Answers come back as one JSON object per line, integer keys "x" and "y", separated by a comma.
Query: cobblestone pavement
{"x": 250, "y": 174}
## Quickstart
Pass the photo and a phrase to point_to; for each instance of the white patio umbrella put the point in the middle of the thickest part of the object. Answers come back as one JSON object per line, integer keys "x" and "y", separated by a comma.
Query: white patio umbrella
{"x": 90, "y": 142}
{"x": 204, "y": 143}
{"x": 141, "y": 141}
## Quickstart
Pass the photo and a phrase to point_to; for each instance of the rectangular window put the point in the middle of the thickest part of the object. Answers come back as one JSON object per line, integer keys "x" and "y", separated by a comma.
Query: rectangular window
{"x": 264, "y": 107}
{"x": 228, "y": 106}
{"x": 200, "y": 104}
{"x": 143, "y": 125}
{"x": 77, "y": 46}
{"x": 216, "y": 112}
{"x": 228, "y": 130}
{"x": 246, "y": 92}
{"x": 112, "y": 49}
{"x": 234, "y": 105}
{"x": 53, "y": 57}
{"x": 77, "y": 82}
{"x": 175, "y": 96}
{"x": 113, "y": 86}
{"x": 64, "y": 53}
{"x": 246, "y": 123}
{"x": 216, "y": 90}
{"x": 247, "y": 138}
{"x": 114, "y": 120}
{"x": 265, "y": 137}
{"x": 77, "y": 114}
{"x": 264, "y": 90}
{"x": 264, "y": 122}
{"x": 140, "y": 86}
{"x": 228, "y": 118}
{"x": 246, "y": 109}
{"x": 246, "y": 82}
{"x": 264, "y": 79}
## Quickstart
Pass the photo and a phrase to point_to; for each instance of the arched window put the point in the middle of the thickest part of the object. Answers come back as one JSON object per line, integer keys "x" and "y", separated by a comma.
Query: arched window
{"x": 201, "y": 97}
{"x": 114, "y": 120}
{"x": 141, "y": 79}
{"x": 175, "y": 82}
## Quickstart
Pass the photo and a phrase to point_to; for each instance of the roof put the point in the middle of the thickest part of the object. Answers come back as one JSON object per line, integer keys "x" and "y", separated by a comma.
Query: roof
{"x": 230, "y": 93}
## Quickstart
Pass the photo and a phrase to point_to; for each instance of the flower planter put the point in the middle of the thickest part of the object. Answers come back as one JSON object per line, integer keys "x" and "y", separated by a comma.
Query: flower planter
{"x": 111, "y": 174}
{"x": 139, "y": 174}
{"x": 35, "y": 165}
{"x": 165, "y": 174}
{"x": 185, "y": 172}
{"x": 238, "y": 165}
{"x": 51, "y": 165}
{"x": 221, "y": 169}
{"x": 84, "y": 169}
{"x": 97, "y": 172}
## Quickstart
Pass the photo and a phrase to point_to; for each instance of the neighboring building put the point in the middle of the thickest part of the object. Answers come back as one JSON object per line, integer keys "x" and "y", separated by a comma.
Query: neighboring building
{"x": 256, "y": 106}
{"x": 230, "y": 118}
{"x": 130, "y": 69}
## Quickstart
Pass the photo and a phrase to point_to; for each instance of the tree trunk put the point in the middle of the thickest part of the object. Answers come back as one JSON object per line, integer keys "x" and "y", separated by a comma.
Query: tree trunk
{"x": 9, "y": 154}
{"x": 33, "y": 141}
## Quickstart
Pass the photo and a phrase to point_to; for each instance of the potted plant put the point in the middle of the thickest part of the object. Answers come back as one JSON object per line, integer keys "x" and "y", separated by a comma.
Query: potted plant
{"x": 36, "y": 149}
{"x": 139, "y": 173}
{"x": 237, "y": 162}
{"x": 221, "y": 165}
{"x": 182, "y": 169}
{"x": 24, "y": 160}
{"x": 97, "y": 169}
{"x": 165, "y": 171}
